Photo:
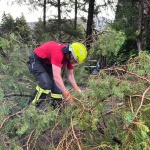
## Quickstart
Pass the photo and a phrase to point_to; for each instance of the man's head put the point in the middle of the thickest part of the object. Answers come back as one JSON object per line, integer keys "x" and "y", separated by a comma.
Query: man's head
{"x": 78, "y": 52}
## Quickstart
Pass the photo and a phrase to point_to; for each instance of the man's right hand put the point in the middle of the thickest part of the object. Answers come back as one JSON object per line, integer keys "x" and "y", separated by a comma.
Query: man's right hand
{"x": 68, "y": 98}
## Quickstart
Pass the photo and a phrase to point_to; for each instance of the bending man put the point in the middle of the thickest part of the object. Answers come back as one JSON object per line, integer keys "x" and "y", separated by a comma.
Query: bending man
{"x": 46, "y": 63}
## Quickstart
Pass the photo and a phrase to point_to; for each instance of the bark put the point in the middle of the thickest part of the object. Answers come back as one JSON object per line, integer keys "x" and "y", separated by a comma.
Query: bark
{"x": 59, "y": 20}
{"x": 147, "y": 22}
{"x": 90, "y": 23}
{"x": 75, "y": 18}
{"x": 44, "y": 13}
{"x": 140, "y": 23}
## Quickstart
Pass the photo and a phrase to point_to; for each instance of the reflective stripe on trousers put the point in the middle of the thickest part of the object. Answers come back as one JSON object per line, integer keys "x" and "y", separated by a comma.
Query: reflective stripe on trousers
{"x": 39, "y": 93}
{"x": 56, "y": 95}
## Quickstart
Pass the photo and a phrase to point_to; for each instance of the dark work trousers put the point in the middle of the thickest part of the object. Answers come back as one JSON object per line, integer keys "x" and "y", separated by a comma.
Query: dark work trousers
{"x": 44, "y": 75}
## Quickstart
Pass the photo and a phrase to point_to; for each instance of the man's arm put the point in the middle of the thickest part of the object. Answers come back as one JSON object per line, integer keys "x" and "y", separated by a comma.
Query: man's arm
{"x": 70, "y": 76}
{"x": 60, "y": 84}
{"x": 58, "y": 79}
{"x": 72, "y": 80}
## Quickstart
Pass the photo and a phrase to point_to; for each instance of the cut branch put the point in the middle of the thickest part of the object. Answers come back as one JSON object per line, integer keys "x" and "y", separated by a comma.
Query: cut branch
{"x": 14, "y": 94}
{"x": 131, "y": 73}
{"x": 134, "y": 74}
{"x": 13, "y": 115}
{"x": 142, "y": 101}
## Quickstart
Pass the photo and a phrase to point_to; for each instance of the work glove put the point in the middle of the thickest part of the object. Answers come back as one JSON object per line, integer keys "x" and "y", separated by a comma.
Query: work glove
{"x": 68, "y": 98}
{"x": 76, "y": 88}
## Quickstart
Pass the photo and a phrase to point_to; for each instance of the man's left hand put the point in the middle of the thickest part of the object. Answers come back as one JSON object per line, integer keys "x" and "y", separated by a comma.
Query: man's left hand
{"x": 76, "y": 88}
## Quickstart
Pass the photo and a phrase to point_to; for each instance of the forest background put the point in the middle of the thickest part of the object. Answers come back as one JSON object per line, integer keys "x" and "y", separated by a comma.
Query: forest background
{"x": 112, "y": 112}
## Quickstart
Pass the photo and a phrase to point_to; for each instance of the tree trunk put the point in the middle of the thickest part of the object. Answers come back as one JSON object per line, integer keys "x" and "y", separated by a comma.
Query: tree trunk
{"x": 44, "y": 13}
{"x": 146, "y": 19}
{"x": 75, "y": 18}
{"x": 59, "y": 20}
{"x": 89, "y": 23}
{"x": 140, "y": 25}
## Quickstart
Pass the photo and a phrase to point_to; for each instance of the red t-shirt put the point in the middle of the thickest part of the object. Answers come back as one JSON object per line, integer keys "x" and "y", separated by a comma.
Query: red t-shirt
{"x": 53, "y": 52}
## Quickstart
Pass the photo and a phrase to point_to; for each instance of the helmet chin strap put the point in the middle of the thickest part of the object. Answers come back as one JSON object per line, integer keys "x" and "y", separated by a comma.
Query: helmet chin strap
{"x": 65, "y": 50}
{"x": 69, "y": 57}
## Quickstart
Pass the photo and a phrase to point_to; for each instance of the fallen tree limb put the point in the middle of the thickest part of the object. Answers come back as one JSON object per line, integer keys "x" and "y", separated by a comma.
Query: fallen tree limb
{"x": 114, "y": 138}
{"x": 128, "y": 72}
{"x": 142, "y": 101}
{"x": 6, "y": 119}
{"x": 134, "y": 74}
{"x": 14, "y": 94}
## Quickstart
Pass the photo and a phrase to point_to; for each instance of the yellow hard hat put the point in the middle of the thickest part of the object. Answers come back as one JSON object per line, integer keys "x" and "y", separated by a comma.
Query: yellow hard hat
{"x": 78, "y": 51}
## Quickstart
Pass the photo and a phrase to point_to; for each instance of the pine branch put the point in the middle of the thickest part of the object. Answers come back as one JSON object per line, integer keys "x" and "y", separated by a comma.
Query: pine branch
{"x": 142, "y": 101}
{"x": 128, "y": 72}
{"x": 27, "y": 144}
{"x": 115, "y": 139}
{"x": 75, "y": 135}
{"x": 14, "y": 94}
{"x": 134, "y": 74}
{"x": 146, "y": 98}
{"x": 13, "y": 115}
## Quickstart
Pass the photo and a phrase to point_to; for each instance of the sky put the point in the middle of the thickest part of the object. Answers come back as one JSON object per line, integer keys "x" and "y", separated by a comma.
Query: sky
{"x": 33, "y": 16}
{"x": 16, "y": 11}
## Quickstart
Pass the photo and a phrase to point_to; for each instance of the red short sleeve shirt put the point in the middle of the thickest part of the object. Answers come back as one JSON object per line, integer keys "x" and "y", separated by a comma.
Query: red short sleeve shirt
{"x": 52, "y": 51}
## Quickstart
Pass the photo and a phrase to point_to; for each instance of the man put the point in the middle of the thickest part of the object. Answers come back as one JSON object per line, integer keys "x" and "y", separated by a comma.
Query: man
{"x": 46, "y": 63}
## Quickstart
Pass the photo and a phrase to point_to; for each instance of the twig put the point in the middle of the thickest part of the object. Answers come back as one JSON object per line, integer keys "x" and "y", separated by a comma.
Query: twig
{"x": 131, "y": 105}
{"x": 75, "y": 135}
{"x": 14, "y": 94}
{"x": 6, "y": 119}
{"x": 65, "y": 136}
{"x": 141, "y": 101}
{"x": 128, "y": 72}
{"x": 146, "y": 98}
{"x": 28, "y": 146}
{"x": 134, "y": 74}
{"x": 103, "y": 146}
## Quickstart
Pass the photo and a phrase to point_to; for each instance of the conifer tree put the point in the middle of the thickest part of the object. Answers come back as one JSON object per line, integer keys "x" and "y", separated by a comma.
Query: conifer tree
{"x": 7, "y": 24}
{"x": 131, "y": 17}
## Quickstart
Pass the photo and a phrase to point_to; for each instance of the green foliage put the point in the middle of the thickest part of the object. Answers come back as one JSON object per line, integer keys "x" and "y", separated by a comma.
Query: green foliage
{"x": 142, "y": 67}
{"x": 108, "y": 112}
{"x": 127, "y": 50}
{"x": 1, "y": 94}
{"x": 7, "y": 25}
{"x": 19, "y": 27}
{"x": 127, "y": 19}
{"x": 81, "y": 75}
{"x": 108, "y": 44}
{"x": 13, "y": 68}
{"x": 129, "y": 117}
{"x": 23, "y": 129}
{"x": 22, "y": 29}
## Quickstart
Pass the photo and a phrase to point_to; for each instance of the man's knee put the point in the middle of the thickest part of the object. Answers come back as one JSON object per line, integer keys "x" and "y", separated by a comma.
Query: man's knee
{"x": 46, "y": 85}
{"x": 45, "y": 81}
